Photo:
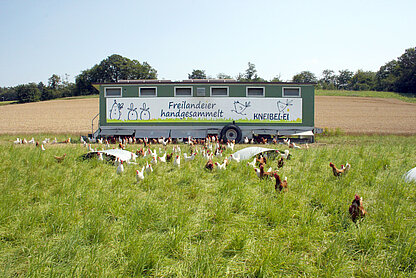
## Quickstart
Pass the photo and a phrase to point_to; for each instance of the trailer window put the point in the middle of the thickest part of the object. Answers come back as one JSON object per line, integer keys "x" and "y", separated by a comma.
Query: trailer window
{"x": 255, "y": 91}
{"x": 219, "y": 91}
{"x": 112, "y": 92}
{"x": 147, "y": 92}
{"x": 200, "y": 92}
{"x": 291, "y": 92}
{"x": 183, "y": 91}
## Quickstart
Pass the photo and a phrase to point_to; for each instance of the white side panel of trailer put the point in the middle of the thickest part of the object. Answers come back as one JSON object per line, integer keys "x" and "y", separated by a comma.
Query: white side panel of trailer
{"x": 204, "y": 109}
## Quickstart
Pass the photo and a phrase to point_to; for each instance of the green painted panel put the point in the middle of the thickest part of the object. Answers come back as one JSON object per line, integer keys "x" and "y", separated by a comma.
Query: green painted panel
{"x": 235, "y": 90}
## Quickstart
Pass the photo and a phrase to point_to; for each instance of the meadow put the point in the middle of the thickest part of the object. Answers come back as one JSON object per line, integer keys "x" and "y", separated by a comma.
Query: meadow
{"x": 79, "y": 218}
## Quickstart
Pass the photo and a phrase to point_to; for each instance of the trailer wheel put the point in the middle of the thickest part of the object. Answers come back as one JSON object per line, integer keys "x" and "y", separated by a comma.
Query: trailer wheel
{"x": 230, "y": 133}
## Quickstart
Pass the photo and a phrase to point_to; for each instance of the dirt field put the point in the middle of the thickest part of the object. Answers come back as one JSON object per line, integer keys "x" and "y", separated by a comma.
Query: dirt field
{"x": 350, "y": 114}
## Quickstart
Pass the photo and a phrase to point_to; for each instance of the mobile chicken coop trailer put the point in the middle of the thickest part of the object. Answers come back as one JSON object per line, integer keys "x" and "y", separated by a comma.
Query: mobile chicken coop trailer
{"x": 227, "y": 108}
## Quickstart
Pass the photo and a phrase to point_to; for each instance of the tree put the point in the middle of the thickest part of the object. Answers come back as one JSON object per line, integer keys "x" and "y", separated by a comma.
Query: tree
{"x": 7, "y": 94}
{"x": 250, "y": 75}
{"x": 54, "y": 82}
{"x": 387, "y": 77}
{"x": 328, "y": 80}
{"x": 276, "y": 79}
{"x": 197, "y": 74}
{"x": 406, "y": 82}
{"x": 305, "y": 77}
{"x": 399, "y": 75}
{"x": 343, "y": 79}
{"x": 112, "y": 69}
{"x": 28, "y": 93}
{"x": 224, "y": 76}
{"x": 363, "y": 81}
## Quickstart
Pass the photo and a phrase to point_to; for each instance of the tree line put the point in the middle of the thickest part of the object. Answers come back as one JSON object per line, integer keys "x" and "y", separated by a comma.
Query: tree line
{"x": 398, "y": 75}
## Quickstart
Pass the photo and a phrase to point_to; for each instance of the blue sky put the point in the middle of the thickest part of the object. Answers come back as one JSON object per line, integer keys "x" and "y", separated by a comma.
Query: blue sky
{"x": 41, "y": 38}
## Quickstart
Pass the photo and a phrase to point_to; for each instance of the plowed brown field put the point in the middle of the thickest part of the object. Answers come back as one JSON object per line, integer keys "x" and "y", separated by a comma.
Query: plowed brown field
{"x": 350, "y": 114}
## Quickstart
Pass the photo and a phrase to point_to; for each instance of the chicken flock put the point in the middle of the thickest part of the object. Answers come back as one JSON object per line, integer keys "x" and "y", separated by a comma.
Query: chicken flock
{"x": 210, "y": 148}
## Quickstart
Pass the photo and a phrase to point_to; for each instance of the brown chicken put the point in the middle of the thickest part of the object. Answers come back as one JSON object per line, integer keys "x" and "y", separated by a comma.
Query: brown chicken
{"x": 280, "y": 185}
{"x": 356, "y": 209}
{"x": 339, "y": 172}
{"x": 140, "y": 152}
{"x": 210, "y": 164}
{"x": 59, "y": 159}
{"x": 264, "y": 174}
{"x": 280, "y": 163}
{"x": 262, "y": 160}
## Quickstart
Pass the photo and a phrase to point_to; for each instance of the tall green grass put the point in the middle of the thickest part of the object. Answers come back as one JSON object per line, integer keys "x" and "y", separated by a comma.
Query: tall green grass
{"x": 79, "y": 218}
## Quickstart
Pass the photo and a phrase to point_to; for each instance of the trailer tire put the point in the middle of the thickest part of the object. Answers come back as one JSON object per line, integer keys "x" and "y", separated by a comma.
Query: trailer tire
{"x": 230, "y": 133}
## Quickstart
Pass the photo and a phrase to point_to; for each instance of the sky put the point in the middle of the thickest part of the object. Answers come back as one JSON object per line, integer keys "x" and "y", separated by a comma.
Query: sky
{"x": 281, "y": 38}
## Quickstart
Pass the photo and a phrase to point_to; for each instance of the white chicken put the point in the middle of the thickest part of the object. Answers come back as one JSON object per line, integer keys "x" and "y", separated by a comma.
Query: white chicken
{"x": 149, "y": 167}
{"x": 162, "y": 158}
{"x": 285, "y": 155}
{"x": 188, "y": 158}
{"x": 100, "y": 157}
{"x": 253, "y": 163}
{"x": 236, "y": 158}
{"x": 222, "y": 166}
{"x": 120, "y": 168}
{"x": 140, "y": 175}
{"x": 154, "y": 159}
{"x": 177, "y": 161}
{"x": 133, "y": 157}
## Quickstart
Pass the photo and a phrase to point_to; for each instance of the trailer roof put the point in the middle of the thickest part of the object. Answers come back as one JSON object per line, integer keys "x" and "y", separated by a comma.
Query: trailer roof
{"x": 195, "y": 81}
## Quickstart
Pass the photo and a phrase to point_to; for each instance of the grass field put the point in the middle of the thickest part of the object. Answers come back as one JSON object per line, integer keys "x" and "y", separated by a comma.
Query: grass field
{"x": 376, "y": 94}
{"x": 79, "y": 218}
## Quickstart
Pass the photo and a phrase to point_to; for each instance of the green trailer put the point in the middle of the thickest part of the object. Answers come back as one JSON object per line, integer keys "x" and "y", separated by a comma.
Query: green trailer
{"x": 198, "y": 108}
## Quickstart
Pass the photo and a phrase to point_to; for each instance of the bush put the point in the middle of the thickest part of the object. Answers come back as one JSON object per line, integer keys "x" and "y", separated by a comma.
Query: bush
{"x": 28, "y": 93}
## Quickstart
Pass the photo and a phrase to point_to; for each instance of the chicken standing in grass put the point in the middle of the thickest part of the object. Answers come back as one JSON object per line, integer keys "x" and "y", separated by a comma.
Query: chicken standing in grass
{"x": 339, "y": 172}
{"x": 209, "y": 165}
{"x": 100, "y": 157}
{"x": 149, "y": 167}
{"x": 280, "y": 163}
{"x": 280, "y": 185}
{"x": 234, "y": 157}
{"x": 264, "y": 174}
{"x": 261, "y": 160}
{"x": 177, "y": 161}
{"x": 253, "y": 163}
{"x": 188, "y": 158}
{"x": 59, "y": 159}
{"x": 140, "y": 175}
{"x": 162, "y": 158}
{"x": 120, "y": 168}
{"x": 356, "y": 209}
{"x": 222, "y": 166}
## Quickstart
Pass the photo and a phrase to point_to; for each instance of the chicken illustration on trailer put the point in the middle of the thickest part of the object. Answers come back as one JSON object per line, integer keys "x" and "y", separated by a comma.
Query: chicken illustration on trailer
{"x": 239, "y": 107}
{"x": 132, "y": 116}
{"x": 115, "y": 111}
{"x": 145, "y": 113}
{"x": 282, "y": 106}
